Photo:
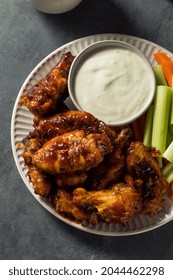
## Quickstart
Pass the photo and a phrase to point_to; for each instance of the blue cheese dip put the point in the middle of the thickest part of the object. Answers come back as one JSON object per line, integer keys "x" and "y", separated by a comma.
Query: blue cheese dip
{"x": 113, "y": 84}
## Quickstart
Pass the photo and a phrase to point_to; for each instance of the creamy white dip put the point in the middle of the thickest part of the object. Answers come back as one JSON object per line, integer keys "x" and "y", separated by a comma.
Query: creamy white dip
{"x": 112, "y": 84}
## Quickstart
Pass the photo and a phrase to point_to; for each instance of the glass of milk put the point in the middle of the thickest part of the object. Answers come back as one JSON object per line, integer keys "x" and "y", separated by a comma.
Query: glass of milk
{"x": 54, "y": 6}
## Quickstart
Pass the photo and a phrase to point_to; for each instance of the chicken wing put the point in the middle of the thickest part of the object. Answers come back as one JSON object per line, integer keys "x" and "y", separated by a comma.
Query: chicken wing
{"x": 112, "y": 168}
{"x": 104, "y": 175}
{"x": 44, "y": 97}
{"x": 30, "y": 147}
{"x": 72, "y": 151}
{"x": 142, "y": 164}
{"x": 124, "y": 139}
{"x": 63, "y": 204}
{"x": 61, "y": 123}
{"x": 121, "y": 203}
{"x": 70, "y": 179}
{"x": 41, "y": 181}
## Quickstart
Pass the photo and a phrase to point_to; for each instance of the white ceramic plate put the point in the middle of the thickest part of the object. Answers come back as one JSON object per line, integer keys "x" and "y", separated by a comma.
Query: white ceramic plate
{"x": 21, "y": 125}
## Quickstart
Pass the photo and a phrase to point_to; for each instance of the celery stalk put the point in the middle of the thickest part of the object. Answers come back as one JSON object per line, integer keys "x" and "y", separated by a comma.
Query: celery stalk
{"x": 171, "y": 113}
{"x": 169, "y": 138}
{"x": 167, "y": 169}
{"x": 161, "y": 117}
{"x": 160, "y": 162}
{"x": 168, "y": 154}
{"x": 148, "y": 127}
{"x": 168, "y": 172}
{"x": 159, "y": 76}
{"x": 169, "y": 178}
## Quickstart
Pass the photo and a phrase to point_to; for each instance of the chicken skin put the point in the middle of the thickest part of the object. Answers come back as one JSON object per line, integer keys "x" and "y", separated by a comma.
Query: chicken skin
{"x": 104, "y": 175}
{"x": 41, "y": 181}
{"x": 72, "y": 151}
{"x": 61, "y": 123}
{"x": 63, "y": 204}
{"x": 142, "y": 164}
{"x": 70, "y": 179}
{"x": 44, "y": 97}
{"x": 112, "y": 168}
{"x": 121, "y": 203}
{"x": 107, "y": 172}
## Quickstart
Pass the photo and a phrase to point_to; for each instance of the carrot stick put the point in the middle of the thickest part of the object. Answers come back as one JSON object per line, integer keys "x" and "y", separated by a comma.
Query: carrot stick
{"x": 161, "y": 57}
{"x": 167, "y": 67}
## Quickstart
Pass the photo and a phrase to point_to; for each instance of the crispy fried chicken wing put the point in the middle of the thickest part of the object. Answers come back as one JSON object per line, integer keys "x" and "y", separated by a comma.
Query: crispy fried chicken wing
{"x": 44, "y": 97}
{"x": 142, "y": 164}
{"x": 72, "y": 151}
{"x": 64, "y": 205}
{"x": 71, "y": 179}
{"x": 104, "y": 175}
{"x": 112, "y": 168}
{"x": 41, "y": 181}
{"x": 124, "y": 139}
{"x": 30, "y": 147}
{"x": 121, "y": 203}
{"x": 61, "y": 123}
{"x": 108, "y": 172}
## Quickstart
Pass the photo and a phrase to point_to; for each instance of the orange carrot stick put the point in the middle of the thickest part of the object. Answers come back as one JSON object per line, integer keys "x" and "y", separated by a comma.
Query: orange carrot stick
{"x": 161, "y": 57}
{"x": 167, "y": 67}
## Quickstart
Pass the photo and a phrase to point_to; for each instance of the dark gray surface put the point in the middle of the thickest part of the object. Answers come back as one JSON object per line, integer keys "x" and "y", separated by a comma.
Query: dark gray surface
{"x": 27, "y": 230}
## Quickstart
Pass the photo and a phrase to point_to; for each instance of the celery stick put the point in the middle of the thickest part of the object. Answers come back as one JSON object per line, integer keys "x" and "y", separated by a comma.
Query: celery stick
{"x": 169, "y": 178}
{"x": 160, "y": 162}
{"x": 171, "y": 113}
{"x": 169, "y": 138}
{"x": 167, "y": 169}
{"x": 160, "y": 77}
{"x": 148, "y": 127}
{"x": 161, "y": 117}
{"x": 168, "y": 154}
{"x": 168, "y": 172}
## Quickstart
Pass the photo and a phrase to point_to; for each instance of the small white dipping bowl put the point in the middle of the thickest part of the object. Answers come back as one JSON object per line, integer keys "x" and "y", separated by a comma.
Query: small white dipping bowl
{"x": 112, "y": 80}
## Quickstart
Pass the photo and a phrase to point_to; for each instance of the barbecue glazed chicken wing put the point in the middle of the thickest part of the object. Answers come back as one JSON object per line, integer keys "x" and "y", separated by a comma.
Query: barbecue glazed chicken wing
{"x": 72, "y": 151}
{"x": 63, "y": 204}
{"x": 121, "y": 203}
{"x": 41, "y": 181}
{"x": 49, "y": 93}
{"x": 142, "y": 164}
{"x": 71, "y": 178}
{"x": 112, "y": 168}
{"x": 61, "y": 135}
{"x": 61, "y": 123}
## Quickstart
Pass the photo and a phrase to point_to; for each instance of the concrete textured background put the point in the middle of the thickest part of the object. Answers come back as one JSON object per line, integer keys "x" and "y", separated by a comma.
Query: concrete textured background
{"x": 27, "y": 230}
